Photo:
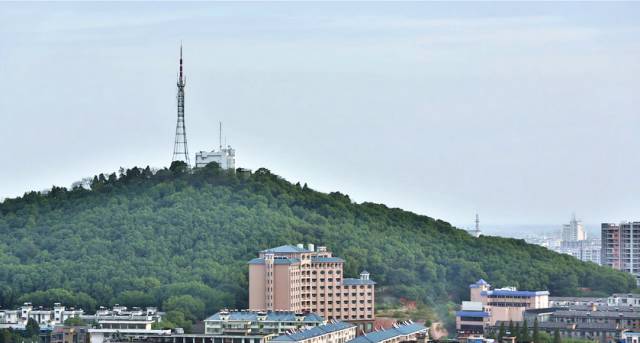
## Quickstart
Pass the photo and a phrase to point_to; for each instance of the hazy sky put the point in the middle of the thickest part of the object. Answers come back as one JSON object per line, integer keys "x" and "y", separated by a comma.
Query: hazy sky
{"x": 522, "y": 112}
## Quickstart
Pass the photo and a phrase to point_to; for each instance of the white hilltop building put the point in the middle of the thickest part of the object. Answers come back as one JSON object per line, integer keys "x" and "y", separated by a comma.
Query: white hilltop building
{"x": 225, "y": 157}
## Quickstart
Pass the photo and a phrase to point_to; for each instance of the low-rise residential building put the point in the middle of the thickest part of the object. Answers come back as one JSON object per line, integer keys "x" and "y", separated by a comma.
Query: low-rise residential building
{"x": 576, "y": 301}
{"x": 336, "y": 332}
{"x": 46, "y": 318}
{"x": 624, "y": 299}
{"x": 602, "y": 323}
{"x": 249, "y": 322}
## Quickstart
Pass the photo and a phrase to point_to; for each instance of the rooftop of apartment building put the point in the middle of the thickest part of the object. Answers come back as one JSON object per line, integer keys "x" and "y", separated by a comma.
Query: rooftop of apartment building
{"x": 578, "y": 299}
{"x": 625, "y": 295}
{"x": 269, "y": 316}
{"x": 505, "y": 291}
{"x": 316, "y": 331}
{"x": 396, "y": 331}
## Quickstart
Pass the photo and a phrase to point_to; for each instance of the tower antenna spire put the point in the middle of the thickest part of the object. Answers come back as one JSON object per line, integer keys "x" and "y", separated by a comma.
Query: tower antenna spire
{"x": 220, "y": 136}
{"x": 180, "y": 149}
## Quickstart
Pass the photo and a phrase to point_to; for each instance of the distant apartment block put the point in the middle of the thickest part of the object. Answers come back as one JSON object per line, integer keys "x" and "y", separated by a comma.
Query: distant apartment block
{"x": 588, "y": 250}
{"x": 294, "y": 278}
{"x": 621, "y": 247}
{"x": 488, "y": 306}
{"x": 574, "y": 231}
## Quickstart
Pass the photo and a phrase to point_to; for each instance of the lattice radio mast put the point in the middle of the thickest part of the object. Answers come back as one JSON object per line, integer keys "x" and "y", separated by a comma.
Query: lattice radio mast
{"x": 180, "y": 150}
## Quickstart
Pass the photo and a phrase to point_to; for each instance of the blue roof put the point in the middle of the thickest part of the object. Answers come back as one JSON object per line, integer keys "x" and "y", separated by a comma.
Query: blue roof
{"x": 272, "y": 316}
{"x": 350, "y": 282}
{"x": 472, "y": 314}
{"x": 479, "y": 283}
{"x": 314, "y": 332}
{"x": 286, "y": 249}
{"x": 508, "y": 293}
{"x": 259, "y": 260}
{"x": 383, "y": 335}
{"x": 326, "y": 259}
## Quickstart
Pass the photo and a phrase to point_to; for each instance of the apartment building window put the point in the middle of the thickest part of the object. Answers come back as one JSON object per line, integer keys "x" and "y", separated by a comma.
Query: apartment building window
{"x": 362, "y": 301}
{"x": 338, "y": 279}
{"x": 354, "y": 294}
{"x": 353, "y": 301}
{"x": 369, "y": 301}
{"x": 322, "y": 272}
{"x": 337, "y": 301}
{"x": 330, "y": 272}
{"x": 330, "y": 279}
{"x": 337, "y": 272}
{"x": 321, "y": 280}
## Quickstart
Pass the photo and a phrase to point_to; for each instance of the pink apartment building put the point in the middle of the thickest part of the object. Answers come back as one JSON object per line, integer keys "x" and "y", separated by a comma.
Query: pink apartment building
{"x": 292, "y": 278}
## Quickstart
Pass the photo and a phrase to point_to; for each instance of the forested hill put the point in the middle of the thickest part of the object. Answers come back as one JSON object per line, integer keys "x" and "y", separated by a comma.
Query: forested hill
{"x": 181, "y": 239}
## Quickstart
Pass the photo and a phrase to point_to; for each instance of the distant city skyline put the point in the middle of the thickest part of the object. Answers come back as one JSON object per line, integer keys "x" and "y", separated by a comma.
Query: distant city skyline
{"x": 521, "y": 112}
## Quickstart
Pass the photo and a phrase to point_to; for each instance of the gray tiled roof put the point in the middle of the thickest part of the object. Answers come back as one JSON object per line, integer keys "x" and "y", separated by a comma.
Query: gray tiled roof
{"x": 379, "y": 336}
{"x": 326, "y": 259}
{"x": 350, "y": 281}
{"x": 313, "y": 332}
{"x": 272, "y": 316}
{"x": 286, "y": 249}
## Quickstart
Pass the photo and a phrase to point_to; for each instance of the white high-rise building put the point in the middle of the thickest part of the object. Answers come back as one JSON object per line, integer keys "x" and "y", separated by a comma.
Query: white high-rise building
{"x": 574, "y": 231}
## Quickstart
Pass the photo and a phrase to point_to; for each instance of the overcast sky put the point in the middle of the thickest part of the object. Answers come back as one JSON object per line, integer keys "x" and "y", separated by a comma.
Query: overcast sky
{"x": 521, "y": 112}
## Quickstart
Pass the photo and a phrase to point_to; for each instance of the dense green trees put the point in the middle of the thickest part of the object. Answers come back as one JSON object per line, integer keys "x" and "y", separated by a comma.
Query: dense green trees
{"x": 180, "y": 239}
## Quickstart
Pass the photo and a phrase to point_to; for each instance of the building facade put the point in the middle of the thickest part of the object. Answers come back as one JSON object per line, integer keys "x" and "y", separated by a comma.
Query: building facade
{"x": 292, "y": 278}
{"x": 624, "y": 300}
{"x": 621, "y": 247}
